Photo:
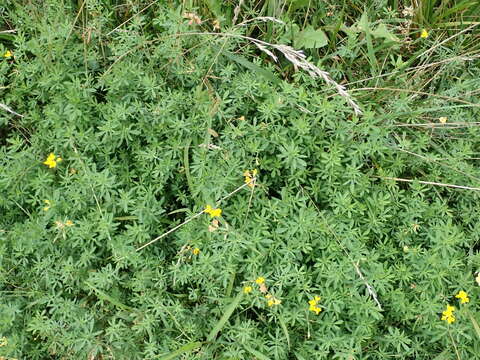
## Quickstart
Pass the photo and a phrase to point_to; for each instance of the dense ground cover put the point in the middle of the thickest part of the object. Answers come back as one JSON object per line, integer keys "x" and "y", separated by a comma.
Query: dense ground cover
{"x": 341, "y": 235}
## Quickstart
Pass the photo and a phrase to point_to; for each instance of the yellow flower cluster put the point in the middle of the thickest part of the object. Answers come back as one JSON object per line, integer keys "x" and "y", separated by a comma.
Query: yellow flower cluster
{"x": 462, "y": 295}
{"x": 247, "y": 289}
{"x": 424, "y": 34}
{"x": 3, "y": 341}
{"x": 8, "y": 54}
{"x": 250, "y": 177}
{"x": 271, "y": 300}
{"x": 47, "y": 206}
{"x": 61, "y": 225}
{"x": 260, "y": 281}
{"x": 447, "y": 315}
{"x": 52, "y": 160}
{"x": 213, "y": 212}
{"x": 313, "y": 305}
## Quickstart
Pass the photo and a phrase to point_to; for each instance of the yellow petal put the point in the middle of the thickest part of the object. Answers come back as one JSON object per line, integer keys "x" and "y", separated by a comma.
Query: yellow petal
{"x": 260, "y": 280}
{"x": 216, "y": 212}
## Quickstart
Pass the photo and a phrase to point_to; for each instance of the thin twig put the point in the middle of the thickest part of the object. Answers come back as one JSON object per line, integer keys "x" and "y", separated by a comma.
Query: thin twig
{"x": 463, "y": 57}
{"x": 131, "y": 17}
{"x": 171, "y": 230}
{"x": 6, "y": 108}
{"x": 73, "y": 25}
{"x": 236, "y": 11}
{"x": 447, "y": 40}
{"x": 416, "y": 92}
{"x": 451, "y": 125}
{"x": 370, "y": 289}
{"x": 437, "y": 162}
{"x": 189, "y": 219}
{"x": 261, "y": 18}
{"x": 454, "y": 344}
{"x": 429, "y": 183}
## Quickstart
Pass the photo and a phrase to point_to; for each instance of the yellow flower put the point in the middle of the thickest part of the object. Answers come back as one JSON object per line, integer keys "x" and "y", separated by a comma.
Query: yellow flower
{"x": 69, "y": 223}
{"x": 313, "y": 305}
{"x": 450, "y": 319}
{"x": 8, "y": 54}
{"x": 272, "y": 301}
{"x": 462, "y": 295}
{"x": 442, "y": 119}
{"x": 52, "y": 160}
{"x": 47, "y": 205}
{"x": 424, "y": 34}
{"x": 3, "y": 341}
{"x": 316, "y": 309}
{"x": 250, "y": 177}
{"x": 450, "y": 310}
{"x": 260, "y": 280}
{"x": 447, "y": 315}
{"x": 196, "y": 251}
{"x": 247, "y": 289}
{"x": 213, "y": 212}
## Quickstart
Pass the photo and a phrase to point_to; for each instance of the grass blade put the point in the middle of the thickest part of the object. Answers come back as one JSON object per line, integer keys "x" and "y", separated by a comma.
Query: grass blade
{"x": 257, "y": 354}
{"x": 267, "y": 74}
{"x": 184, "y": 349}
{"x": 104, "y": 296}
{"x": 285, "y": 330}
{"x": 475, "y": 324}
{"x": 226, "y": 315}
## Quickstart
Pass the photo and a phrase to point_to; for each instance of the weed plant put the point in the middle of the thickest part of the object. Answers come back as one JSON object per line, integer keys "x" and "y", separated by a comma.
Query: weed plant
{"x": 126, "y": 126}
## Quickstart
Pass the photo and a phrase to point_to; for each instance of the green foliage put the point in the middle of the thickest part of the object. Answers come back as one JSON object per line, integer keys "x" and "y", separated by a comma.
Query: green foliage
{"x": 155, "y": 117}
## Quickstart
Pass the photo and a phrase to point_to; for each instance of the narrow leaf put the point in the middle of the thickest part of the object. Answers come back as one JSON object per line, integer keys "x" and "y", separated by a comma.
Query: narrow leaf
{"x": 104, "y": 296}
{"x": 267, "y": 74}
{"x": 226, "y": 315}
{"x": 285, "y": 330}
{"x": 184, "y": 349}
{"x": 256, "y": 353}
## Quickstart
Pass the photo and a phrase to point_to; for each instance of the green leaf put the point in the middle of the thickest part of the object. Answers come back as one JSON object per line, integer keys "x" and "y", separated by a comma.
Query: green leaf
{"x": 267, "y": 74}
{"x": 475, "y": 324}
{"x": 226, "y": 315}
{"x": 104, "y": 296}
{"x": 184, "y": 349}
{"x": 299, "y": 4}
{"x": 310, "y": 38}
{"x": 285, "y": 330}
{"x": 382, "y": 32}
{"x": 256, "y": 353}
{"x": 363, "y": 24}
